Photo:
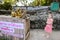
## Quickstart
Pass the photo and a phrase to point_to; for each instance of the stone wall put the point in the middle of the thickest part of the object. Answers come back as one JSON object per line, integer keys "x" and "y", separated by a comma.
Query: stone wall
{"x": 39, "y": 20}
{"x": 5, "y": 12}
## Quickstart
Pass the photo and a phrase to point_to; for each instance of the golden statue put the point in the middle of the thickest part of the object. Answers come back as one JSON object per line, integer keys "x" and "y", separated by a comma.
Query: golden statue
{"x": 20, "y": 13}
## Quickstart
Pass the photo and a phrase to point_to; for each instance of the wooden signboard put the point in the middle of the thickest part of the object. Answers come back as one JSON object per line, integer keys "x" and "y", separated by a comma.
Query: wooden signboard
{"x": 16, "y": 28}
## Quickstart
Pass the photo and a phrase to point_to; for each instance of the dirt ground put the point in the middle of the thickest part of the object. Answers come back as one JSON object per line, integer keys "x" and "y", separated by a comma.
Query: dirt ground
{"x": 37, "y": 34}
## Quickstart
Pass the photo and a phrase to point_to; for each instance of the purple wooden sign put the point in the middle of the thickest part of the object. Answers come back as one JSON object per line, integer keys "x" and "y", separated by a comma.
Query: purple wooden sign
{"x": 9, "y": 28}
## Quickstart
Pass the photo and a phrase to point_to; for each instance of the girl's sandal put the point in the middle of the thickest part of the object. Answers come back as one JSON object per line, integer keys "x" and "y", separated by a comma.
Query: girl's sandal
{"x": 47, "y": 37}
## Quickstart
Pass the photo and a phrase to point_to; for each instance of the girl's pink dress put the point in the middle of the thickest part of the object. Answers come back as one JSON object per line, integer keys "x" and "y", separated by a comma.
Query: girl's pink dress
{"x": 48, "y": 27}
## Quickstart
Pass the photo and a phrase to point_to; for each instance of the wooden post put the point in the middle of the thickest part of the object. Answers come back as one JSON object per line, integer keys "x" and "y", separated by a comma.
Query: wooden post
{"x": 16, "y": 32}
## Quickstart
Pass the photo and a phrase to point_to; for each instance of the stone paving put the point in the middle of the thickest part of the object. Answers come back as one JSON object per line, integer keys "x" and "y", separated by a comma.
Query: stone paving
{"x": 37, "y": 34}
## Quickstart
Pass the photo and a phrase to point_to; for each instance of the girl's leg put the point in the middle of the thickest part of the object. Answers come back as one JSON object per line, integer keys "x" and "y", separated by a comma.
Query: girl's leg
{"x": 45, "y": 34}
{"x": 48, "y": 35}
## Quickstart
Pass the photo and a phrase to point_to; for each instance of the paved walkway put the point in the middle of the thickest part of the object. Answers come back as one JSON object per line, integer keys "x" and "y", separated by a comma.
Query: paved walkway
{"x": 36, "y": 34}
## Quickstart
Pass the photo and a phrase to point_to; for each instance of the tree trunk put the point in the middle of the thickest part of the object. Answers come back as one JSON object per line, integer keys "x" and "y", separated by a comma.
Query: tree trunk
{"x": 46, "y": 2}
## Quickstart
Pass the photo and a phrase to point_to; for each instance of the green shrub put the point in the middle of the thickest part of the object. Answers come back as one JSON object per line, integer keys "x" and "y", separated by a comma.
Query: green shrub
{"x": 6, "y": 6}
{"x": 1, "y": 6}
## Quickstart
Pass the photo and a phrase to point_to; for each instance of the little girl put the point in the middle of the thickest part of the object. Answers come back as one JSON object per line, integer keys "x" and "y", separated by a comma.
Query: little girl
{"x": 48, "y": 28}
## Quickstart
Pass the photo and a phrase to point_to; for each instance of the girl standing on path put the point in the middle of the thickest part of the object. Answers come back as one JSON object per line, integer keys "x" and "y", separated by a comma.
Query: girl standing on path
{"x": 48, "y": 27}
